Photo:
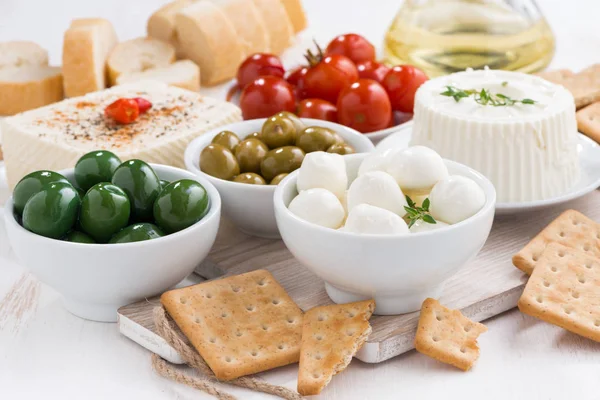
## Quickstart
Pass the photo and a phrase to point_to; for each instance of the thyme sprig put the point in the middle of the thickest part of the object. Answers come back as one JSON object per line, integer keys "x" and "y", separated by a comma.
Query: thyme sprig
{"x": 484, "y": 97}
{"x": 415, "y": 213}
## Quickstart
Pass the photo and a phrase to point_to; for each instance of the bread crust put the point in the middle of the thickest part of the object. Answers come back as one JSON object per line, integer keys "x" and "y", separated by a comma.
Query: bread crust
{"x": 19, "y": 96}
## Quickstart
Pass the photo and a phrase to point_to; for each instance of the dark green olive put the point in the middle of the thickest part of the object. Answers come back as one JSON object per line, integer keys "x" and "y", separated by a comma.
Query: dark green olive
{"x": 249, "y": 154}
{"x": 78, "y": 237}
{"x": 95, "y": 167}
{"x": 278, "y": 131}
{"x": 277, "y": 179}
{"x": 254, "y": 135}
{"x": 141, "y": 184}
{"x": 163, "y": 183}
{"x": 218, "y": 161}
{"x": 315, "y": 138}
{"x": 32, "y": 184}
{"x": 105, "y": 210}
{"x": 80, "y": 191}
{"x": 227, "y": 139}
{"x": 137, "y": 233}
{"x": 282, "y": 160}
{"x": 52, "y": 211}
{"x": 298, "y": 124}
{"x": 341, "y": 148}
{"x": 181, "y": 204}
{"x": 251, "y": 178}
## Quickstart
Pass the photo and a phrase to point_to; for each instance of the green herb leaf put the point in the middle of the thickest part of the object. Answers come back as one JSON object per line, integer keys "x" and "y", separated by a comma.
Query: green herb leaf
{"x": 425, "y": 204}
{"x": 484, "y": 96}
{"x": 429, "y": 219}
{"x": 528, "y": 101}
{"x": 414, "y": 213}
{"x": 504, "y": 83}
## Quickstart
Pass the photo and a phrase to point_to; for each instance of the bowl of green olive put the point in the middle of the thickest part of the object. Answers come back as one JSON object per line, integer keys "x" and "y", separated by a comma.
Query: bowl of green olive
{"x": 107, "y": 233}
{"x": 246, "y": 160}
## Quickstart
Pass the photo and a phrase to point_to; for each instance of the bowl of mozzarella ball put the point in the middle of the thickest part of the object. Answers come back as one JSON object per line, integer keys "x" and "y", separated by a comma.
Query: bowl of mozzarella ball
{"x": 392, "y": 226}
{"x": 246, "y": 160}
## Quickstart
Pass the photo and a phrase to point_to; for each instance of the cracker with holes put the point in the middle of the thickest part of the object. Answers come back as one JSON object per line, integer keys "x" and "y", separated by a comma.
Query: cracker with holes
{"x": 447, "y": 336}
{"x": 571, "y": 229}
{"x": 331, "y": 336}
{"x": 588, "y": 121}
{"x": 240, "y": 325}
{"x": 564, "y": 290}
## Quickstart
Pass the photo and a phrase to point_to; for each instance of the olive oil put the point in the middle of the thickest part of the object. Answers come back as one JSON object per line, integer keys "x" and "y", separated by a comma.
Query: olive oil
{"x": 445, "y": 36}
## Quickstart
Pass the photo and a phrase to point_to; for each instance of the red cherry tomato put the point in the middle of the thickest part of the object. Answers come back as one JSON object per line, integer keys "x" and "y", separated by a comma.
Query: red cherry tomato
{"x": 296, "y": 79}
{"x": 372, "y": 70}
{"x": 124, "y": 111}
{"x": 317, "y": 109}
{"x": 364, "y": 106}
{"x": 401, "y": 84}
{"x": 325, "y": 79}
{"x": 266, "y": 96}
{"x": 353, "y": 46}
{"x": 257, "y": 65}
{"x": 143, "y": 104}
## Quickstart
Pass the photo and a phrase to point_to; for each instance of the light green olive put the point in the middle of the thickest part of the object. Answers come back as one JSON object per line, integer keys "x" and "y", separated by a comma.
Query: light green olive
{"x": 298, "y": 124}
{"x": 254, "y": 135}
{"x": 341, "y": 148}
{"x": 278, "y": 131}
{"x": 282, "y": 160}
{"x": 249, "y": 154}
{"x": 227, "y": 139}
{"x": 315, "y": 138}
{"x": 250, "y": 178}
{"x": 278, "y": 178}
{"x": 218, "y": 161}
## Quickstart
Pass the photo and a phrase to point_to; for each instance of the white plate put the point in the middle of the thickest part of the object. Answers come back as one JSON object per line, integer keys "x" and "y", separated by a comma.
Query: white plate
{"x": 589, "y": 158}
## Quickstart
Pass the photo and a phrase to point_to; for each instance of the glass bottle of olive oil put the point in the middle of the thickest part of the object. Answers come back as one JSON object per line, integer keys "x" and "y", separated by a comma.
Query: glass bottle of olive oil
{"x": 444, "y": 36}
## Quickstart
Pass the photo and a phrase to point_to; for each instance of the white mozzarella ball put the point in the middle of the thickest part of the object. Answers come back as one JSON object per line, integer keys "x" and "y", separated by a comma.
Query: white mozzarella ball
{"x": 318, "y": 206}
{"x": 323, "y": 170}
{"x": 455, "y": 199}
{"x": 422, "y": 226}
{"x": 417, "y": 168}
{"x": 379, "y": 189}
{"x": 376, "y": 161}
{"x": 374, "y": 220}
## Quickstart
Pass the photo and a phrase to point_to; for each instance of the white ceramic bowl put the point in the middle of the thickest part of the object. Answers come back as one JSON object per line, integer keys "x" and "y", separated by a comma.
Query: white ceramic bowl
{"x": 96, "y": 279}
{"x": 398, "y": 271}
{"x": 250, "y": 207}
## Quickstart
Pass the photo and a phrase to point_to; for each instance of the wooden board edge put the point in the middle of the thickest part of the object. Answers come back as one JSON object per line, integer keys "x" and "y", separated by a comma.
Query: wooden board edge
{"x": 376, "y": 352}
{"x": 148, "y": 339}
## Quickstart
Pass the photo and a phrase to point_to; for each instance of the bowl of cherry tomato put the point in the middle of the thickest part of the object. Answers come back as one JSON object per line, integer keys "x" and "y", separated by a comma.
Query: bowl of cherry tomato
{"x": 344, "y": 84}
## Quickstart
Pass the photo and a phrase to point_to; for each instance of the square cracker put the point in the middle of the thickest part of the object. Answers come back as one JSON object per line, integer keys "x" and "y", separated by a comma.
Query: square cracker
{"x": 556, "y": 75}
{"x": 571, "y": 229}
{"x": 588, "y": 121}
{"x": 447, "y": 335}
{"x": 240, "y": 325}
{"x": 564, "y": 290}
{"x": 584, "y": 86}
{"x": 331, "y": 336}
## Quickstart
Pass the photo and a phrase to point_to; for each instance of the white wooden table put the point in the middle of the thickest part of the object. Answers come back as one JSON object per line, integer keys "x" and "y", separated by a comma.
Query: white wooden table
{"x": 45, "y": 352}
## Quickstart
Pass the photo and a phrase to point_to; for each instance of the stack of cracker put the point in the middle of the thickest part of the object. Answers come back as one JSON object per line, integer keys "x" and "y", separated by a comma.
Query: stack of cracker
{"x": 585, "y": 87}
{"x": 564, "y": 287}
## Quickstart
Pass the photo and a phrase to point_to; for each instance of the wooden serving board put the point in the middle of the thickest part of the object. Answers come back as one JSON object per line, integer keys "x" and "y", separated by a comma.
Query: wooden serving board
{"x": 487, "y": 286}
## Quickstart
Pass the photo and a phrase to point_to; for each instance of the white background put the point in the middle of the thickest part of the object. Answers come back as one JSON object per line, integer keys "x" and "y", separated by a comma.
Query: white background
{"x": 50, "y": 354}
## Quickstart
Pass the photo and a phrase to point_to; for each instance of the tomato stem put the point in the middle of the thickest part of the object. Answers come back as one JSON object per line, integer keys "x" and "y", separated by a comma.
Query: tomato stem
{"x": 314, "y": 59}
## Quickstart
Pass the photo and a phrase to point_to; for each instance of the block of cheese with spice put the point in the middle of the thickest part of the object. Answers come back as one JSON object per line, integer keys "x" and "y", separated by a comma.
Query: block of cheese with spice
{"x": 148, "y": 120}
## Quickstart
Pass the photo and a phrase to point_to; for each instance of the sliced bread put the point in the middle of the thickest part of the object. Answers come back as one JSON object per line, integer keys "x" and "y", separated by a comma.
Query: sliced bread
{"x": 138, "y": 55}
{"x": 248, "y": 22}
{"x": 20, "y": 53}
{"x": 278, "y": 24}
{"x": 207, "y": 37}
{"x": 296, "y": 13}
{"x": 161, "y": 24}
{"x": 86, "y": 46}
{"x": 184, "y": 74}
{"x": 27, "y": 87}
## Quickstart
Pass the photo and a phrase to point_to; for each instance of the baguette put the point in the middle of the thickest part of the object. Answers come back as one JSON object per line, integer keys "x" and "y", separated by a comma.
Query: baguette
{"x": 20, "y": 53}
{"x": 184, "y": 74}
{"x": 209, "y": 38}
{"x": 86, "y": 46}
{"x": 296, "y": 13}
{"x": 138, "y": 55}
{"x": 27, "y": 87}
{"x": 161, "y": 24}
{"x": 248, "y": 23}
{"x": 278, "y": 23}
